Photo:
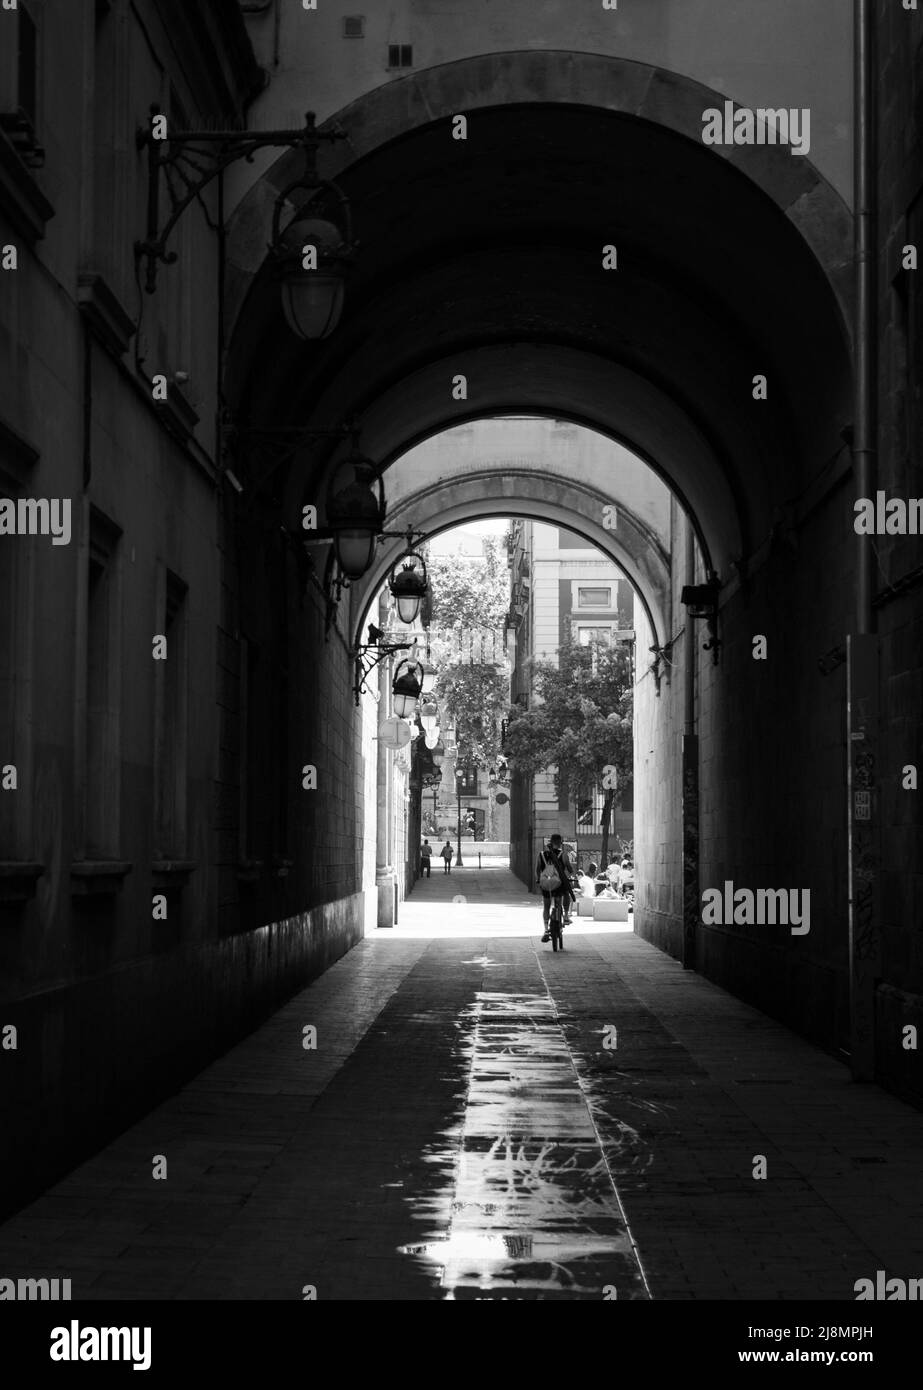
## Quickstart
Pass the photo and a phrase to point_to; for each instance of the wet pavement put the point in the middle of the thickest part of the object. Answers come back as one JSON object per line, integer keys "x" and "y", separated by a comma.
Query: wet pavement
{"x": 482, "y": 1118}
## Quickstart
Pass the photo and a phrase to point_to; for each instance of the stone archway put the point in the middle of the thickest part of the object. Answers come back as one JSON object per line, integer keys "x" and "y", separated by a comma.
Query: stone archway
{"x": 489, "y": 266}
{"x": 643, "y": 91}
{"x": 639, "y": 548}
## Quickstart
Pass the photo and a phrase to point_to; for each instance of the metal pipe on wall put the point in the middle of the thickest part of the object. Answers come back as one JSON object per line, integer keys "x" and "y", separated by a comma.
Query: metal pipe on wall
{"x": 863, "y": 749}
{"x": 863, "y": 450}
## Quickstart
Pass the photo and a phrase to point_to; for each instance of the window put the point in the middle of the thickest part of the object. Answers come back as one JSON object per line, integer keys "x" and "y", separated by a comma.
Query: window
{"x": 469, "y": 781}
{"x": 19, "y": 86}
{"x": 594, "y": 598}
{"x": 103, "y": 673}
{"x": 599, "y": 634}
{"x": 170, "y": 735}
{"x": 400, "y": 55}
{"x": 353, "y": 26}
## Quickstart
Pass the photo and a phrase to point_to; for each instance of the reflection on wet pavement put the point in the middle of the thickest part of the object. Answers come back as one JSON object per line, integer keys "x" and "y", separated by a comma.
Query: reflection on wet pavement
{"x": 534, "y": 1212}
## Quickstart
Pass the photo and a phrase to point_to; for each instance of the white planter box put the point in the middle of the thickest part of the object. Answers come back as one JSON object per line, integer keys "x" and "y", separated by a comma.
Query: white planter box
{"x": 610, "y": 910}
{"x": 585, "y": 907}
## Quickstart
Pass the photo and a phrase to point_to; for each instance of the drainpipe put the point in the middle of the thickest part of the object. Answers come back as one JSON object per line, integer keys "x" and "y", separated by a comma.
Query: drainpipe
{"x": 863, "y": 450}
{"x": 863, "y": 754}
{"x": 690, "y": 755}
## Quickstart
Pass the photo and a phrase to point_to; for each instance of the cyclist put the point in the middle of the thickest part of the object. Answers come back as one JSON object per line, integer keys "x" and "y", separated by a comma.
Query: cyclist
{"x": 556, "y": 858}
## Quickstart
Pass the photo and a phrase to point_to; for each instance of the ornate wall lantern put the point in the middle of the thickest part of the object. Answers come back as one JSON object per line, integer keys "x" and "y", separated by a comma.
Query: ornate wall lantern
{"x": 356, "y": 514}
{"x": 406, "y": 688}
{"x": 408, "y": 587}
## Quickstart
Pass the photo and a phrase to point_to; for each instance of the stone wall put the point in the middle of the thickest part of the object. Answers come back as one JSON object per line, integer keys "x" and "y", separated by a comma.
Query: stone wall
{"x": 899, "y": 605}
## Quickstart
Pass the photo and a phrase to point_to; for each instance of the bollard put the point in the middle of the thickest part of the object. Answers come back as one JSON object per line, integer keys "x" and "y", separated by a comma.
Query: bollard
{"x": 479, "y": 858}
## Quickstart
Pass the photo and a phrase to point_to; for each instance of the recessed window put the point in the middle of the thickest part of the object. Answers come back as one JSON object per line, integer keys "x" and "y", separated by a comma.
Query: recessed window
{"x": 594, "y": 598}
{"x": 400, "y": 55}
{"x": 353, "y": 26}
{"x": 469, "y": 781}
{"x": 601, "y": 636}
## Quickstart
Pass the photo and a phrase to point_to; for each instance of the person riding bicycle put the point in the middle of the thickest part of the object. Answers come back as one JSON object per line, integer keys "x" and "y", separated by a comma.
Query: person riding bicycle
{"x": 555, "y": 861}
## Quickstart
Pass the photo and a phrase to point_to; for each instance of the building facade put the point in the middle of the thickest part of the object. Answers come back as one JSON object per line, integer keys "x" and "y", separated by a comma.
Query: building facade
{"x": 188, "y": 830}
{"x": 562, "y": 590}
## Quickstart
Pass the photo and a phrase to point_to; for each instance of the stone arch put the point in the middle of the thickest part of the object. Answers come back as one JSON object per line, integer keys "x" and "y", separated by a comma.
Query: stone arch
{"x": 633, "y": 546}
{"x": 643, "y": 91}
{"x": 660, "y": 357}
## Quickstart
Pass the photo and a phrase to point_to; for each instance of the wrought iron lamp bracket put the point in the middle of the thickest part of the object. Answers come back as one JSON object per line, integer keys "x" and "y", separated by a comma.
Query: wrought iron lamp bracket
{"x": 183, "y": 163}
{"x": 369, "y": 656}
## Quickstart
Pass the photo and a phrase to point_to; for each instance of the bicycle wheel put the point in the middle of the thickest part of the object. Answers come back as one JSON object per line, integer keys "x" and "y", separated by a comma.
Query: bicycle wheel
{"x": 557, "y": 936}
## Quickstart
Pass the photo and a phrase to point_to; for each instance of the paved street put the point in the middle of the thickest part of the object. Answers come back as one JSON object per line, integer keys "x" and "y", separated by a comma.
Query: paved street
{"x": 461, "y": 1130}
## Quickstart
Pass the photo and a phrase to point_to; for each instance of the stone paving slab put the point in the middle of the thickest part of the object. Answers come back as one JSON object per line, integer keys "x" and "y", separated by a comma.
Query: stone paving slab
{"x": 290, "y": 1167}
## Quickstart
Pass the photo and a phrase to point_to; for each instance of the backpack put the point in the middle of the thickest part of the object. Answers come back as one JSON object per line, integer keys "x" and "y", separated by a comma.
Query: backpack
{"x": 549, "y": 879}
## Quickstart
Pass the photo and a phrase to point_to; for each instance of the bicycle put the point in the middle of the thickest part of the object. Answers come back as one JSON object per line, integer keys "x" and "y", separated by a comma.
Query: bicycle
{"x": 556, "y": 924}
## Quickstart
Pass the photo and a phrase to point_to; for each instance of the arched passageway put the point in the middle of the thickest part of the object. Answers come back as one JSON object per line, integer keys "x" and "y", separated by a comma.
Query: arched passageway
{"x": 580, "y": 314}
{"x": 490, "y": 269}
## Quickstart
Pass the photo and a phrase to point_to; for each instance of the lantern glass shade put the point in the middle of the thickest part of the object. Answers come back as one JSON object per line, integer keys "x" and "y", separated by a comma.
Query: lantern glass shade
{"x": 429, "y": 677}
{"x": 313, "y": 304}
{"x": 406, "y": 692}
{"x": 354, "y": 515}
{"x": 431, "y": 739}
{"x": 429, "y": 718}
{"x": 407, "y": 608}
{"x": 438, "y": 753}
{"x": 355, "y": 550}
{"x": 408, "y": 588}
{"x": 312, "y": 293}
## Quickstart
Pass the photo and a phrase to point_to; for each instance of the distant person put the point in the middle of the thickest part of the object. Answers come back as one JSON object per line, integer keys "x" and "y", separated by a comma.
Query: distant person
{"x": 426, "y": 859}
{"x": 587, "y": 882}
{"x": 556, "y": 858}
{"x": 447, "y": 854}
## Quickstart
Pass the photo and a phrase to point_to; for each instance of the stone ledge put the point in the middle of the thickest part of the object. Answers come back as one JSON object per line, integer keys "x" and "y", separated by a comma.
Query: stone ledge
{"x": 172, "y": 873}
{"x": 104, "y": 311}
{"x": 23, "y": 201}
{"x": 179, "y": 417}
{"x": 17, "y": 880}
{"x": 98, "y": 877}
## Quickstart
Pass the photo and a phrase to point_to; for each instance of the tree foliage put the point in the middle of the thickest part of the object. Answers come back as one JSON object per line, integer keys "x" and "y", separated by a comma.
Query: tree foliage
{"x": 470, "y": 593}
{"x": 470, "y": 601}
{"x": 476, "y": 696}
{"x": 581, "y": 722}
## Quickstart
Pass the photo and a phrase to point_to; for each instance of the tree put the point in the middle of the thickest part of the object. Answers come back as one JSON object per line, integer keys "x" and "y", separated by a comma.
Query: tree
{"x": 582, "y": 725}
{"x": 470, "y": 601}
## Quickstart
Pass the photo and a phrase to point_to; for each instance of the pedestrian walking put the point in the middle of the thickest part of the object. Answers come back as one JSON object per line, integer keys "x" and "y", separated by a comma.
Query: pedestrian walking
{"x": 554, "y": 873}
{"x": 426, "y": 859}
{"x": 447, "y": 856}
